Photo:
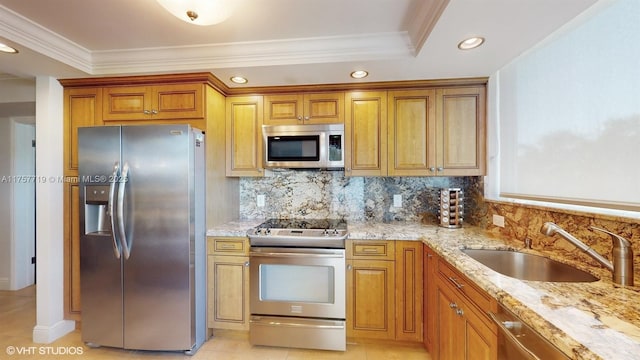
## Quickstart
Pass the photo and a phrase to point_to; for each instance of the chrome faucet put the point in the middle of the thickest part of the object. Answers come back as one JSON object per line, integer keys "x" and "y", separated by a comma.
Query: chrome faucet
{"x": 622, "y": 266}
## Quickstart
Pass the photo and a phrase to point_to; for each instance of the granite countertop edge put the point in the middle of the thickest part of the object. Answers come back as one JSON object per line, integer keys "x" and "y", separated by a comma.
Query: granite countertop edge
{"x": 596, "y": 329}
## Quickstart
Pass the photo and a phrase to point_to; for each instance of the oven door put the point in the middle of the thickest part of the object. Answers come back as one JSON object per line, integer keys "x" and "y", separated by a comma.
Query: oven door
{"x": 298, "y": 282}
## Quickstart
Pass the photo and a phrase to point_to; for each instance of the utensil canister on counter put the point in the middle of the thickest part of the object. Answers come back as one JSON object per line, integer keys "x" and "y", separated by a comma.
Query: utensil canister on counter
{"x": 451, "y": 208}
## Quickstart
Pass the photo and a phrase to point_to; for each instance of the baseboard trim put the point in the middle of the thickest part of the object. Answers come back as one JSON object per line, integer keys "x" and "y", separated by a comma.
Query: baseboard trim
{"x": 4, "y": 284}
{"x": 43, "y": 334}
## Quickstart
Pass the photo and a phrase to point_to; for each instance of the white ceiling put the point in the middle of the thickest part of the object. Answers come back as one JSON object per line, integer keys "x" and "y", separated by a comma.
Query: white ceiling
{"x": 277, "y": 42}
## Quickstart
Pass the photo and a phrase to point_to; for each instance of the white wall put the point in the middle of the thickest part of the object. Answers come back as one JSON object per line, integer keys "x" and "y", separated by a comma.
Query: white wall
{"x": 23, "y": 203}
{"x": 50, "y": 323}
{"x": 6, "y": 190}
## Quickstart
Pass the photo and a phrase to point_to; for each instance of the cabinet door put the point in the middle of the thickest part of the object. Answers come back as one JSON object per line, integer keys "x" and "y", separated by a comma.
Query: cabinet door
{"x": 409, "y": 291}
{"x": 429, "y": 301}
{"x": 370, "y": 299}
{"x": 461, "y": 131}
{"x": 411, "y": 125}
{"x": 283, "y": 109}
{"x": 127, "y": 103}
{"x": 72, "y": 304}
{"x": 480, "y": 342}
{"x": 83, "y": 107}
{"x": 160, "y": 102}
{"x": 450, "y": 337}
{"x": 228, "y": 292}
{"x": 244, "y": 136}
{"x": 183, "y": 101}
{"x": 324, "y": 108}
{"x": 365, "y": 129}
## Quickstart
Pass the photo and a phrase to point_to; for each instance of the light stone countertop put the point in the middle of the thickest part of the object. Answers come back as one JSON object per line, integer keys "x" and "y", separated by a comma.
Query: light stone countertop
{"x": 598, "y": 320}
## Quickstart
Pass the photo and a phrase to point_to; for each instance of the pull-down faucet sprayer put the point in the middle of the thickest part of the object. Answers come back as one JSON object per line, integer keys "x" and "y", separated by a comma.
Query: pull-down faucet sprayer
{"x": 622, "y": 266}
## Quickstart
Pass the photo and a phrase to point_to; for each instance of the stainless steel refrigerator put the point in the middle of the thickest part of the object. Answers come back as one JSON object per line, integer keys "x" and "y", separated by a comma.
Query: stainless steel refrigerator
{"x": 142, "y": 237}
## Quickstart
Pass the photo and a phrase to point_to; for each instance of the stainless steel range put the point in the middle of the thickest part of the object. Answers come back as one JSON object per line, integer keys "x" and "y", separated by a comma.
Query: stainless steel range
{"x": 297, "y": 283}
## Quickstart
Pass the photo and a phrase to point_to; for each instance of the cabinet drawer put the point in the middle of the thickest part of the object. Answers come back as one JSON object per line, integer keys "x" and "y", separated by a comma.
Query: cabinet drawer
{"x": 460, "y": 282}
{"x": 227, "y": 246}
{"x": 375, "y": 250}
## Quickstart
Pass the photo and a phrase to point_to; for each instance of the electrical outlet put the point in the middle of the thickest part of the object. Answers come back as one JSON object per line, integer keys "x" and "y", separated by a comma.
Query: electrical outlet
{"x": 397, "y": 200}
{"x": 260, "y": 200}
{"x": 498, "y": 220}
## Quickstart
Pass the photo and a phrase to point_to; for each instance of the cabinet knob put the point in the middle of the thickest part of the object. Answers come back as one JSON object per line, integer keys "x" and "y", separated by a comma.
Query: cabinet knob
{"x": 299, "y": 118}
{"x": 432, "y": 169}
{"x": 246, "y": 264}
{"x": 453, "y": 305}
{"x": 306, "y": 118}
{"x": 349, "y": 267}
{"x": 154, "y": 111}
{"x": 460, "y": 312}
{"x": 146, "y": 112}
{"x": 440, "y": 168}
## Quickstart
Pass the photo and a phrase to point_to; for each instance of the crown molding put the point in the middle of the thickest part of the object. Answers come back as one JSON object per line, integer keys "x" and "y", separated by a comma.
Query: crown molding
{"x": 25, "y": 32}
{"x": 256, "y": 53}
{"x": 424, "y": 18}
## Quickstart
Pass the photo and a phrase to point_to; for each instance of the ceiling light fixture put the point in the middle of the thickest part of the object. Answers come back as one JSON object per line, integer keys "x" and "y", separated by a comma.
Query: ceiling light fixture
{"x": 8, "y": 49}
{"x": 239, "y": 80}
{"x": 359, "y": 74}
{"x": 470, "y": 43}
{"x": 200, "y": 12}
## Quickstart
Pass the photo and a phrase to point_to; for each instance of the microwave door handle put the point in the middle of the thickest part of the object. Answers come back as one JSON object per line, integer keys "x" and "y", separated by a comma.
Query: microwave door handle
{"x": 111, "y": 206}
{"x": 124, "y": 178}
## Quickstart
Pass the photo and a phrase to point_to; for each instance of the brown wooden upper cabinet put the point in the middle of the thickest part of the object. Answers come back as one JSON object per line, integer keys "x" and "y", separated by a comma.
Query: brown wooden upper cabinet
{"x": 314, "y": 108}
{"x": 365, "y": 129}
{"x": 437, "y": 132}
{"x": 244, "y": 117}
{"x": 161, "y": 102}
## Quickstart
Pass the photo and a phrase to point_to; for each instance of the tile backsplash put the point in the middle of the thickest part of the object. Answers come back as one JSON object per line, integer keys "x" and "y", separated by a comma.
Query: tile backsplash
{"x": 329, "y": 194}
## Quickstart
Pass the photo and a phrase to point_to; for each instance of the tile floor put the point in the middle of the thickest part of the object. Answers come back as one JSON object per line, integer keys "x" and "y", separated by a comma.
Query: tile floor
{"x": 17, "y": 318}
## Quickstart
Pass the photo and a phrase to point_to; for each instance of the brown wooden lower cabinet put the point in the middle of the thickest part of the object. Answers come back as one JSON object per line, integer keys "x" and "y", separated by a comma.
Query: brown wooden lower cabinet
{"x": 384, "y": 289}
{"x": 429, "y": 300}
{"x": 228, "y": 283}
{"x": 462, "y": 329}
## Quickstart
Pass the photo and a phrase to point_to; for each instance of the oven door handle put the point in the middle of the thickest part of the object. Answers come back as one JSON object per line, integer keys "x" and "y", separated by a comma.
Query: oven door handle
{"x": 294, "y": 255}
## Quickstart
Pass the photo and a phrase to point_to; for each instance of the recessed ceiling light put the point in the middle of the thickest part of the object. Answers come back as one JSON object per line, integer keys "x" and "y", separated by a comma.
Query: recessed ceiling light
{"x": 359, "y": 74}
{"x": 7, "y": 49}
{"x": 470, "y": 43}
{"x": 239, "y": 80}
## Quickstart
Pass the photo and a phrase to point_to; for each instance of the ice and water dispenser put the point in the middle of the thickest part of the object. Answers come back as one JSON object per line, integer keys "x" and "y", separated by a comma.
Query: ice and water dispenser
{"x": 96, "y": 213}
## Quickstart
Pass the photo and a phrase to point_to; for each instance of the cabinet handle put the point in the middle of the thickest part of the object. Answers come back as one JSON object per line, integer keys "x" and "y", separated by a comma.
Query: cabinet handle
{"x": 349, "y": 267}
{"x": 299, "y": 118}
{"x": 154, "y": 111}
{"x": 147, "y": 112}
{"x": 227, "y": 246}
{"x": 432, "y": 169}
{"x": 306, "y": 118}
{"x": 459, "y": 312}
{"x": 457, "y": 284}
{"x": 440, "y": 168}
{"x": 246, "y": 264}
{"x": 453, "y": 305}
{"x": 370, "y": 250}
{"x": 429, "y": 256}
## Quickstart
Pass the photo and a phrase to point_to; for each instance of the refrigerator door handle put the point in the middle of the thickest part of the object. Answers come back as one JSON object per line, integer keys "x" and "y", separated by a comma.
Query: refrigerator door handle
{"x": 124, "y": 178}
{"x": 112, "y": 208}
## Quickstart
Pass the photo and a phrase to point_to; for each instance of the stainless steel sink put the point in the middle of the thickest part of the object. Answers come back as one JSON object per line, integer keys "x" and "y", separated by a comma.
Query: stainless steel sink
{"x": 525, "y": 266}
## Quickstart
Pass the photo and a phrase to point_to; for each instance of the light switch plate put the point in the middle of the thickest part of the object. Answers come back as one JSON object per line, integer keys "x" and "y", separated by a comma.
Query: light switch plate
{"x": 498, "y": 220}
{"x": 397, "y": 200}
{"x": 260, "y": 200}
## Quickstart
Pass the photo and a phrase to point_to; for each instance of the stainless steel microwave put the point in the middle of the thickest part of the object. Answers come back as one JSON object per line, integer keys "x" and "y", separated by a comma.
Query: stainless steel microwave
{"x": 304, "y": 146}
